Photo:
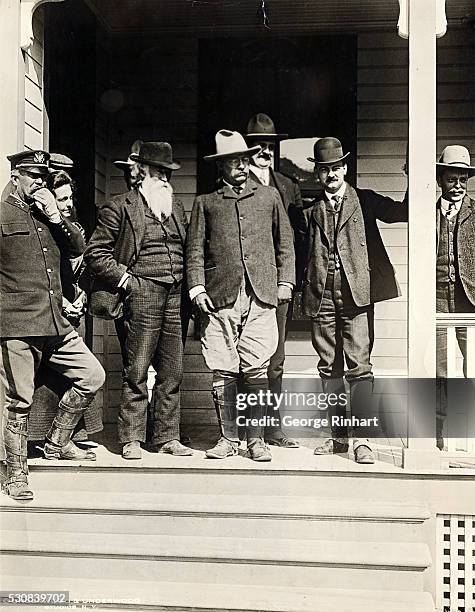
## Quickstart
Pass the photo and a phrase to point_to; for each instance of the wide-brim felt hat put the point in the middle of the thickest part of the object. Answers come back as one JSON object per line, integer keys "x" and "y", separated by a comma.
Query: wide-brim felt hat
{"x": 327, "y": 150}
{"x": 456, "y": 157}
{"x": 158, "y": 154}
{"x": 36, "y": 162}
{"x": 127, "y": 163}
{"x": 262, "y": 127}
{"x": 230, "y": 144}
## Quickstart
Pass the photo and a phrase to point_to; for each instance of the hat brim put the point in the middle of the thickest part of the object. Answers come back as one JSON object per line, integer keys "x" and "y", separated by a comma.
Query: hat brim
{"x": 469, "y": 169}
{"x": 263, "y": 136}
{"x": 39, "y": 170}
{"x": 232, "y": 154}
{"x": 61, "y": 166}
{"x": 120, "y": 163}
{"x": 141, "y": 160}
{"x": 330, "y": 161}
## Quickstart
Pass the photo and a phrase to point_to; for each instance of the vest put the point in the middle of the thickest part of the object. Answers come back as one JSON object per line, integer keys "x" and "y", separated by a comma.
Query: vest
{"x": 446, "y": 267}
{"x": 161, "y": 253}
{"x": 332, "y": 219}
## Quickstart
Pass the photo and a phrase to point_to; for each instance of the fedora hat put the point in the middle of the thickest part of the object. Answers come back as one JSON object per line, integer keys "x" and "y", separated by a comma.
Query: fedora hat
{"x": 229, "y": 144}
{"x": 126, "y": 163}
{"x": 262, "y": 126}
{"x": 156, "y": 154}
{"x": 327, "y": 150}
{"x": 455, "y": 157}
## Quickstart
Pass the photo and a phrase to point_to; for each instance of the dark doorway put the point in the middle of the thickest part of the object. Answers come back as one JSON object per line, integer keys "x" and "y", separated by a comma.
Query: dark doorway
{"x": 307, "y": 85}
{"x": 70, "y": 95}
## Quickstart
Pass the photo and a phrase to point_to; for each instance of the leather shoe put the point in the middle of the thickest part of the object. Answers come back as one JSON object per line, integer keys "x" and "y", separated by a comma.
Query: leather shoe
{"x": 283, "y": 442}
{"x": 222, "y": 449}
{"x": 18, "y": 490}
{"x": 440, "y": 443}
{"x": 257, "y": 450}
{"x": 363, "y": 454}
{"x": 331, "y": 447}
{"x": 69, "y": 451}
{"x": 175, "y": 447}
{"x": 132, "y": 450}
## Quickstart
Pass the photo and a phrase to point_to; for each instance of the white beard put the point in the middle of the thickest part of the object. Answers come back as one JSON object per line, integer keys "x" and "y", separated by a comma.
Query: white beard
{"x": 158, "y": 195}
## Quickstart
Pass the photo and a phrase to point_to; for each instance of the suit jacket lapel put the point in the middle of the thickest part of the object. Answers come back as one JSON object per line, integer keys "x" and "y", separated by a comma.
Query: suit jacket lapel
{"x": 178, "y": 221}
{"x": 348, "y": 207}
{"x": 319, "y": 215}
{"x": 279, "y": 185}
{"x": 136, "y": 213}
{"x": 437, "y": 220}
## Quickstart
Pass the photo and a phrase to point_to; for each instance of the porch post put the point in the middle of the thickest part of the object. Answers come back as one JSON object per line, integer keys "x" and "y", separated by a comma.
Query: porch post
{"x": 11, "y": 117}
{"x": 422, "y": 452}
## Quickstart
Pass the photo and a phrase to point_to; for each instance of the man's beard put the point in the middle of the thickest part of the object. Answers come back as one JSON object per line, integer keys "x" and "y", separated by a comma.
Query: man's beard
{"x": 158, "y": 195}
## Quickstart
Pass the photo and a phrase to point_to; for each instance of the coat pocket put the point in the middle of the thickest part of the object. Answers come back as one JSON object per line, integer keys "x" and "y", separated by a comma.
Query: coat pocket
{"x": 12, "y": 229}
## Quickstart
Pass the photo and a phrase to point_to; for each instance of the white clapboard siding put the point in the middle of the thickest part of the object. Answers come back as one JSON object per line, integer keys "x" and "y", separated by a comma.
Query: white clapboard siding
{"x": 35, "y": 133}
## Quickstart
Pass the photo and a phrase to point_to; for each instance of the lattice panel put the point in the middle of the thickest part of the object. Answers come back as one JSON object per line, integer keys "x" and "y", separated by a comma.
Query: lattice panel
{"x": 455, "y": 563}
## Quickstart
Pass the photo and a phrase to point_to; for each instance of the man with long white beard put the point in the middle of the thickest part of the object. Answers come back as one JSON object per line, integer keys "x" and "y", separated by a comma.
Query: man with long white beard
{"x": 136, "y": 256}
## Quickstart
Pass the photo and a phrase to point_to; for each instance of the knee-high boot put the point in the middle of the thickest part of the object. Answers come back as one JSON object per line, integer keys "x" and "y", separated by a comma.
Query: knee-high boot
{"x": 59, "y": 444}
{"x": 15, "y": 439}
{"x": 224, "y": 397}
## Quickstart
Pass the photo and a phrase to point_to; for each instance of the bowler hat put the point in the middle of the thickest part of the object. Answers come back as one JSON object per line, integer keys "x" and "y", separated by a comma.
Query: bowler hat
{"x": 156, "y": 154}
{"x": 455, "y": 157}
{"x": 261, "y": 126}
{"x": 229, "y": 144}
{"x": 126, "y": 163}
{"x": 58, "y": 161}
{"x": 327, "y": 150}
{"x": 33, "y": 161}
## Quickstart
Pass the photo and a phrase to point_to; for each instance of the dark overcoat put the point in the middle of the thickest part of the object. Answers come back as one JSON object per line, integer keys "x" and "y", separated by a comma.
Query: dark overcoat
{"x": 31, "y": 248}
{"x": 360, "y": 247}
{"x": 465, "y": 244}
{"x": 288, "y": 188}
{"x": 114, "y": 248}
{"x": 230, "y": 234}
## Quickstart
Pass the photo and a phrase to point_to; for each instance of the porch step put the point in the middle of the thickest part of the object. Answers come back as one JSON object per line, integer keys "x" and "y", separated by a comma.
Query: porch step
{"x": 209, "y": 597}
{"x": 243, "y": 516}
{"x": 261, "y": 561}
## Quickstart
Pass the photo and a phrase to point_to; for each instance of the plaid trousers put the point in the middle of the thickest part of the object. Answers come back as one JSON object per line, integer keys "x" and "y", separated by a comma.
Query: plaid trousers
{"x": 152, "y": 336}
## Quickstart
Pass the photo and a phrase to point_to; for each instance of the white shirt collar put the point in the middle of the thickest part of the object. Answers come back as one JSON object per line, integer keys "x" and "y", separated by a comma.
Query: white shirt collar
{"x": 340, "y": 192}
{"x": 445, "y": 206}
{"x": 240, "y": 187}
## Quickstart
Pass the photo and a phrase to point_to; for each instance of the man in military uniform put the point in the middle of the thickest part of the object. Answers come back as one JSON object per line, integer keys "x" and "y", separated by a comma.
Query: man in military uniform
{"x": 32, "y": 328}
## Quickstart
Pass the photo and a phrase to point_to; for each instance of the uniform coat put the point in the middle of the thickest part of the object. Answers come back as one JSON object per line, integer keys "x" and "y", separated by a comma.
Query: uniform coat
{"x": 230, "y": 235}
{"x": 465, "y": 244}
{"x": 114, "y": 247}
{"x": 30, "y": 284}
{"x": 361, "y": 250}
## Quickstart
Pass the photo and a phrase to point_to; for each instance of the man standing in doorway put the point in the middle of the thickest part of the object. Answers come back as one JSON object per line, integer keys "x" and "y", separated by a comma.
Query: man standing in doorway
{"x": 455, "y": 272}
{"x": 261, "y": 131}
{"x": 136, "y": 255}
{"x": 347, "y": 270}
{"x": 240, "y": 265}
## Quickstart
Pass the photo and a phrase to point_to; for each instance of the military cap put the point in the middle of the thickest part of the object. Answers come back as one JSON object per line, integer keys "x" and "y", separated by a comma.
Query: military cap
{"x": 33, "y": 161}
{"x": 58, "y": 161}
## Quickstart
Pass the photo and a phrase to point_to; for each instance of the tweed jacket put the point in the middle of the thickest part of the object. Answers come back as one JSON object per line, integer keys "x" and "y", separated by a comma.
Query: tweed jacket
{"x": 231, "y": 234}
{"x": 114, "y": 247}
{"x": 288, "y": 189}
{"x": 465, "y": 244}
{"x": 31, "y": 248}
{"x": 360, "y": 247}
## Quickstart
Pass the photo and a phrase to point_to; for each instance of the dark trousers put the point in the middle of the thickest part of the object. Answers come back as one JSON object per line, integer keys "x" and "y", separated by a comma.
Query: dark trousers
{"x": 275, "y": 371}
{"x": 344, "y": 332}
{"x": 153, "y": 336}
{"x": 450, "y": 297}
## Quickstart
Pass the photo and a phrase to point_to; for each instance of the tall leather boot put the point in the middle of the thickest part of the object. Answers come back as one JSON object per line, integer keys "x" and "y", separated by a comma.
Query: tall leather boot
{"x": 15, "y": 439}
{"x": 59, "y": 444}
{"x": 256, "y": 447}
{"x": 338, "y": 443}
{"x": 224, "y": 397}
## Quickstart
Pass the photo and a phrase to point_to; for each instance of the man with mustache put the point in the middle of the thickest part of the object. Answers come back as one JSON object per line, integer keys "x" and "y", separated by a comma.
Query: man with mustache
{"x": 261, "y": 131}
{"x": 240, "y": 265}
{"x": 35, "y": 235}
{"x": 136, "y": 255}
{"x": 455, "y": 276}
{"x": 346, "y": 270}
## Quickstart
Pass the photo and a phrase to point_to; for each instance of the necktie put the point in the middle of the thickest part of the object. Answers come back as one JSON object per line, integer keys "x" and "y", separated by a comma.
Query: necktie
{"x": 451, "y": 211}
{"x": 336, "y": 203}
{"x": 238, "y": 190}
